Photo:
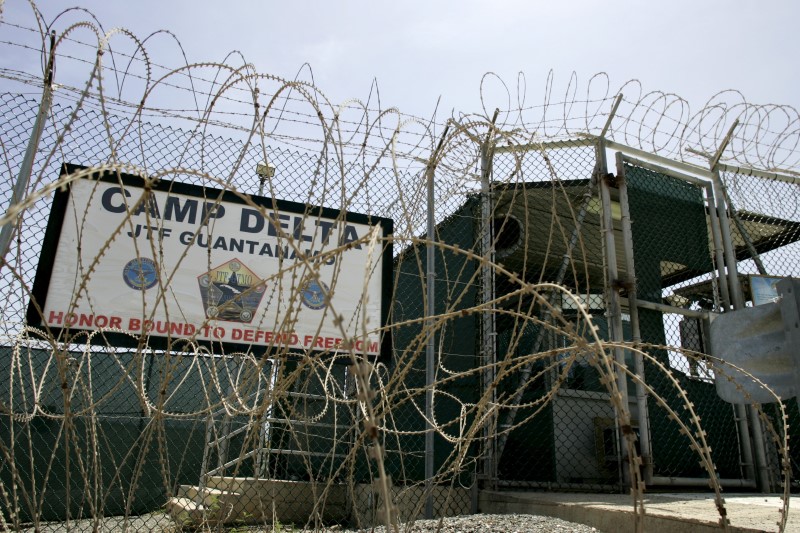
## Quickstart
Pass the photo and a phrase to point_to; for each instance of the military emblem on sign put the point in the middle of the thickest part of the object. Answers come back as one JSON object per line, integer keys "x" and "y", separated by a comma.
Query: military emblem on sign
{"x": 313, "y": 293}
{"x": 231, "y": 292}
{"x": 140, "y": 273}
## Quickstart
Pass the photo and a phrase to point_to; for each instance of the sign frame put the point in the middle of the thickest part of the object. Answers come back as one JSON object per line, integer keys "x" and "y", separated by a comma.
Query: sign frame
{"x": 53, "y": 233}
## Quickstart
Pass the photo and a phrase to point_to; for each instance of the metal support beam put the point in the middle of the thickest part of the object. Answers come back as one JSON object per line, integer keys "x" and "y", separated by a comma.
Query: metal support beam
{"x": 663, "y": 308}
{"x": 611, "y": 115}
{"x": 715, "y": 169}
{"x": 761, "y": 466}
{"x": 735, "y": 289}
{"x": 546, "y": 145}
{"x": 731, "y": 293}
{"x": 661, "y": 169}
{"x": 701, "y": 482}
{"x": 659, "y": 159}
{"x": 724, "y": 144}
{"x": 746, "y": 171}
{"x": 716, "y": 238}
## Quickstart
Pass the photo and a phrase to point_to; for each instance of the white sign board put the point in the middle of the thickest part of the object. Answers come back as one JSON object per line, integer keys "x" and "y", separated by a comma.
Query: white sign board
{"x": 189, "y": 262}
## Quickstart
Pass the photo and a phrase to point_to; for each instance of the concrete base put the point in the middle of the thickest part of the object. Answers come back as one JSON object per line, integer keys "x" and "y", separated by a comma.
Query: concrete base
{"x": 665, "y": 513}
{"x": 238, "y": 500}
{"x": 243, "y": 500}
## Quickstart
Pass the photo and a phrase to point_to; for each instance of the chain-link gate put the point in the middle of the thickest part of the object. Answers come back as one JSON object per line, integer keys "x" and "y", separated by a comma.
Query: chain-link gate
{"x": 675, "y": 240}
{"x": 671, "y": 218}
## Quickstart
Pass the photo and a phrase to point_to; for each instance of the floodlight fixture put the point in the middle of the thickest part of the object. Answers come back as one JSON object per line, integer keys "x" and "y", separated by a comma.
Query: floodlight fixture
{"x": 265, "y": 170}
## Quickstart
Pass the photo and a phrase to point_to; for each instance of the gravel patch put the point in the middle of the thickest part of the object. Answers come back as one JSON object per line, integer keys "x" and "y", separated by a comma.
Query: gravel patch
{"x": 159, "y": 522}
{"x": 489, "y": 523}
{"x": 478, "y": 523}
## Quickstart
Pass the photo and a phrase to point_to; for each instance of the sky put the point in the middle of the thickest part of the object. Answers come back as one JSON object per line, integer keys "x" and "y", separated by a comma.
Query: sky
{"x": 424, "y": 51}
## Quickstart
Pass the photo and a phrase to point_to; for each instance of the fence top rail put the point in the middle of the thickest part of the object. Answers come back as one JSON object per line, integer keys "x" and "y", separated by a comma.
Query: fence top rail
{"x": 747, "y": 171}
{"x": 546, "y": 145}
{"x": 678, "y": 166}
{"x": 670, "y": 166}
{"x": 665, "y": 170}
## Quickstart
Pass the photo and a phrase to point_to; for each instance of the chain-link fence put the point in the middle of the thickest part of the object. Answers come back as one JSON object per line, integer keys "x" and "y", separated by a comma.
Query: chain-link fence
{"x": 222, "y": 432}
{"x": 516, "y": 316}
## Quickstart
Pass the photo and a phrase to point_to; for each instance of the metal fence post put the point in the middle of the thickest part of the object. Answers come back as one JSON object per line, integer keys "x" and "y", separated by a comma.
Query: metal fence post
{"x": 26, "y": 168}
{"x": 430, "y": 351}
{"x": 488, "y": 331}
{"x": 716, "y": 237}
{"x": 641, "y": 395}
{"x": 613, "y": 307}
{"x": 761, "y": 469}
{"x": 743, "y": 426}
{"x": 735, "y": 289}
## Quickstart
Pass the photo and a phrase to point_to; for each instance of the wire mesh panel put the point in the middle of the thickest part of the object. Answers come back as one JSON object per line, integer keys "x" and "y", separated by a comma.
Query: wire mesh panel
{"x": 765, "y": 225}
{"x": 765, "y": 229}
{"x": 557, "y": 427}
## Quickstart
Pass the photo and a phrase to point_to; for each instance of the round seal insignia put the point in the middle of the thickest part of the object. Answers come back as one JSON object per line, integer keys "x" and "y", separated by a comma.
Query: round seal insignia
{"x": 312, "y": 294}
{"x": 140, "y": 273}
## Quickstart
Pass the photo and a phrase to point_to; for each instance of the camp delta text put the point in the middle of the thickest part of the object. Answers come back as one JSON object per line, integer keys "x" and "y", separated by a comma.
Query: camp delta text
{"x": 252, "y": 223}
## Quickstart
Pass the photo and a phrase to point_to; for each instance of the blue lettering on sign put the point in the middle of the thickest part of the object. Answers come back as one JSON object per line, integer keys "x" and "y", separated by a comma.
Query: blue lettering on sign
{"x": 253, "y": 221}
{"x": 299, "y": 228}
{"x": 113, "y": 205}
{"x": 175, "y": 208}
